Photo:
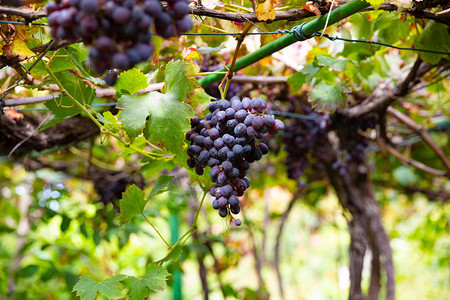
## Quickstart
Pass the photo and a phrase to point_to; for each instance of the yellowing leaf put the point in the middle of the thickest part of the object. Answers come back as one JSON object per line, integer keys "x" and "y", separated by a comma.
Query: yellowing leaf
{"x": 19, "y": 45}
{"x": 20, "y": 48}
{"x": 265, "y": 11}
{"x": 192, "y": 54}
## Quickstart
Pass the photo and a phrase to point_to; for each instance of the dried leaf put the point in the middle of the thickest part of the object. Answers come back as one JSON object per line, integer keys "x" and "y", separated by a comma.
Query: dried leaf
{"x": 311, "y": 7}
{"x": 17, "y": 43}
{"x": 14, "y": 115}
{"x": 265, "y": 11}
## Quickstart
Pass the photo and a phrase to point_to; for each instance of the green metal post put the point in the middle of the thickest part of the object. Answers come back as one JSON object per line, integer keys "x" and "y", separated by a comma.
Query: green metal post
{"x": 174, "y": 224}
{"x": 318, "y": 24}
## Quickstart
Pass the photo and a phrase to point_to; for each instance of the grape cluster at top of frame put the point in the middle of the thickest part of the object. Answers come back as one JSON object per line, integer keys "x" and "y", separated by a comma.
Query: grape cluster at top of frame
{"x": 226, "y": 141}
{"x": 118, "y": 31}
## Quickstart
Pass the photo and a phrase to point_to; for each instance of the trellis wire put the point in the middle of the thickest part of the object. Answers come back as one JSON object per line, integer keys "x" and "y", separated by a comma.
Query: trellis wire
{"x": 284, "y": 31}
{"x": 326, "y": 35}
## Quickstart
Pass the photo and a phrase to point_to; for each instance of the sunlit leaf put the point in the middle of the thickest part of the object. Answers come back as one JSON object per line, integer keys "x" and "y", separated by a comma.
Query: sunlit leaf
{"x": 87, "y": 288}
{"x": 131, "y": 81}
{"x": 131, "y": 204}
{"x": 328, "y": 98}
{"x": 154, "y": 280}
{"x": 161, "y": 185}
{"x": 434, "y": 37}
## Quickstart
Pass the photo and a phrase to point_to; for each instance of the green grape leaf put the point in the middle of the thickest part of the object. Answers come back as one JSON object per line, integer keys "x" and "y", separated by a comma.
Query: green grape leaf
{"x": 157, "y": 41}
{"x": 160, "y": 185}
{"x": 169, "y": 118}
{"x": 131, "y": 81}
{"x": 199, "y": 100}
{"x": 164, "y": 115}
{"x": 332, "y": 63}
{"x": 434, "y": 37}
{"x": 154, "y": 280}
{"x": 209, "y": 50}
{"x": 297, "y": 80}
{"x": 327, "y": 98}
{"x": 135, "y": 112}
{"x": 131, "y": 204}
{"x": 62, "y": 107}
{"x": 178, "y": 84}
{"x": 174, "y": 255}
{"x": 152, "y": 167}
{"x": 87, "y": 288}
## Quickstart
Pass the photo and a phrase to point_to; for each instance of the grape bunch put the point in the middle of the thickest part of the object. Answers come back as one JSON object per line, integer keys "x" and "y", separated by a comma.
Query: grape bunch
{"x": 118, "y": 31}
{"x": 306, "y": 139}
{"x": 307, "y": 142}
{"x": 352, "y": 142}
{"x": 226, "y": 141}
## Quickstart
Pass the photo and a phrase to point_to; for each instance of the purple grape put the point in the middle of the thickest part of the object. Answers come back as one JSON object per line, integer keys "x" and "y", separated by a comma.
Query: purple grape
{"x": 89, "y": 6}
{"x": 223, "y": 104}
{"x": 233, "y": 200}
{"x": 227, "y": 166}
{"x": 223, "y": 212}
{"x": 222, "y": 202}
{"x": 111, "y": 77}
{"x": 121, "y": 14}
{"x": 241, "y": 115}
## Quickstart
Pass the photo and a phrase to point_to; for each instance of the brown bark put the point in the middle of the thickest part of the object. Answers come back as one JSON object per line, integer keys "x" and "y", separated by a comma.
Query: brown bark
{"x": 70, "y": 131}
{"x": 354, "y": 191}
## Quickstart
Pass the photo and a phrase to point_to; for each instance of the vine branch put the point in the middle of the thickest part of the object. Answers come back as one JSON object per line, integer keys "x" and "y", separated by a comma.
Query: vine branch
{"x": 286, "y": 15}
{"x": 409, "y": 161}
{"x": 418, "y": 129}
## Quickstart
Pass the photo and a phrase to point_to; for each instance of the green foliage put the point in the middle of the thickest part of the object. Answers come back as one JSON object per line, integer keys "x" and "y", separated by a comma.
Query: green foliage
{"x": 163, "y": 117}
{"x": 168, "y": 120}
{"x": 131, "y": 81}
{"x": 434, "y": 36}
{"x": 87, "y": 288}
{"x": 135, "y": 112}
{"x": 332, "y": 63}
{"x": 153, "y": 280}
{"x": 131, "y": 204}
{"x": 133, "y": 201}
{"x": 62, "y": 107}
{"x": 75, "y": 230}
{"x": 297, "y": 80}
{"x": 328, "y": 98}
{"x": 161, "y": 185}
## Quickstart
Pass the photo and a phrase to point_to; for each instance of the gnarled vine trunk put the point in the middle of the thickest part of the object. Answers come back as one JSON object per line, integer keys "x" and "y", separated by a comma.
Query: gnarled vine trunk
{"x": 355, "y": 194}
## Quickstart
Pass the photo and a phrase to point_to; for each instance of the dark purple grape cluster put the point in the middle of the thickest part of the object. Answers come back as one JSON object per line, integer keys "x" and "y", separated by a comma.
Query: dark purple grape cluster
{"x": 118, "y": 31}
{"x": 352, "y": 142}
{"x": 307, "y": 144}
{"x": 306, "y": 138}
{"x": 226, "y": 141}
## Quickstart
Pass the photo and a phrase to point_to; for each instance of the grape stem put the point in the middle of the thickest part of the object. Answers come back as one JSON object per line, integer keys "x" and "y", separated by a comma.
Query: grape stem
{"x": 159, "y": 234}
{"x": 240, "y": 39}
{"x": 206, "y": 73}
{"x": 188, "y": 233}
{"x": 84, "y": 109}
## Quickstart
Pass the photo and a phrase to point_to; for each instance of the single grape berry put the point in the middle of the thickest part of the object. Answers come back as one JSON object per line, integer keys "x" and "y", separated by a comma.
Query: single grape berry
{"x": 111, "y": 77}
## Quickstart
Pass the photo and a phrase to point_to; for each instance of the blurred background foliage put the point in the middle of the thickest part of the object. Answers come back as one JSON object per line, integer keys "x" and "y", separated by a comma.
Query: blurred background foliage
{"x": 58, "y": 207}
{"x": 54, "y": 228}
